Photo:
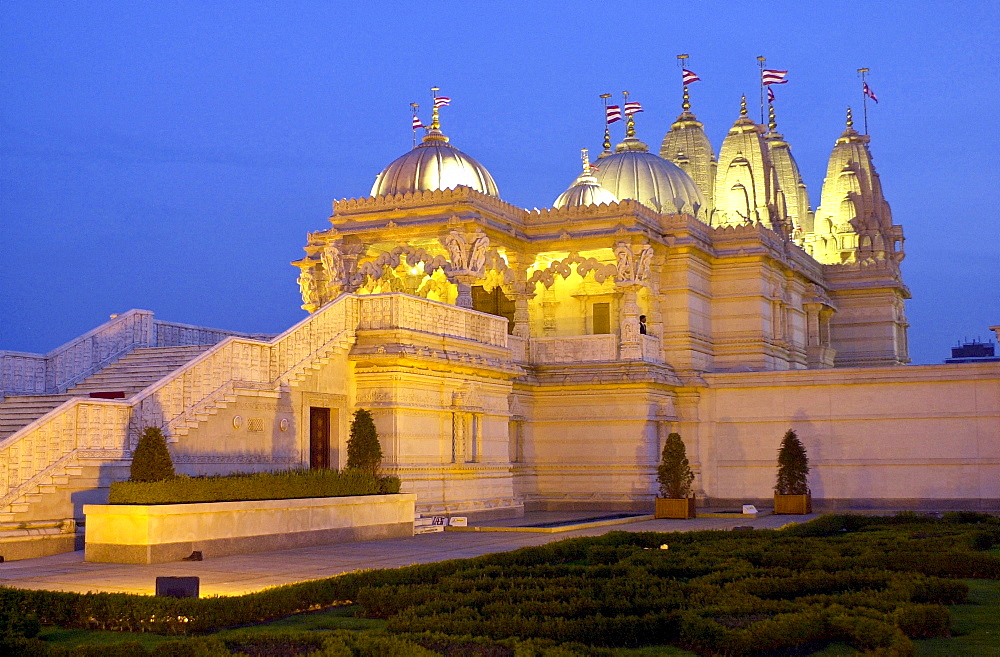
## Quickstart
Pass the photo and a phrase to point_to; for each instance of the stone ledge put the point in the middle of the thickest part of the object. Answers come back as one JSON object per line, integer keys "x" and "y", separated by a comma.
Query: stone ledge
{"x": 168, "y": 532}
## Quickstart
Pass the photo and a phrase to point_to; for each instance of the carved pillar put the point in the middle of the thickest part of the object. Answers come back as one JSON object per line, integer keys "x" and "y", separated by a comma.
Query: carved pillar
{"x": 464, "y": 283}
{"x": 457, "y": 437}
{"x": 633, "y": 272}
{"x": 522, "y": 318}
{"x": 468, "y": 257}
{"x": 629, "y": 322}
{"x": 655, "y": 308}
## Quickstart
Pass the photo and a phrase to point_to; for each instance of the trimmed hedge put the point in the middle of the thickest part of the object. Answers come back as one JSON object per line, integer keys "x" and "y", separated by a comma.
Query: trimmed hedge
{"x": 289, "y": 484}
{"x": 746, "y": 593}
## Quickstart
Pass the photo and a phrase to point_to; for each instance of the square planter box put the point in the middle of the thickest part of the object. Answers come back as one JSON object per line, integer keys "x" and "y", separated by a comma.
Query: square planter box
{"x": 682, "y": 508}
{"x": 126, "y": 533}
{"x": 792, "y": 504}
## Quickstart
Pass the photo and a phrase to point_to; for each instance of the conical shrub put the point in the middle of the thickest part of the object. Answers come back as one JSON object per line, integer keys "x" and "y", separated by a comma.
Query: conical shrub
{"x": 674, "y": 472}
{"x": 151, "y": 460}
{"x": 364, "y": 452}
{"x": 793, "y": 467}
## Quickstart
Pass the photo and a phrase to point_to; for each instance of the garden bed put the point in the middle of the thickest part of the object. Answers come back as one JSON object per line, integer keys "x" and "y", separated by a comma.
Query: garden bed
{"x": 117, "y": 533}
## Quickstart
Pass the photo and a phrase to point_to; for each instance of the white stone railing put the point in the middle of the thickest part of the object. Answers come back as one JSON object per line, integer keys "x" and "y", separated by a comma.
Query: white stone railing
{"x": 574, "y": 349}
{"x": 77, "y": 359}
{"x": 395, "y": 310}
{"x": 652, "y": 348}
{"x": 55, "y": 372}
{"x": 79, "y": 424}
{"x": 518, "y": 348}
{"x": 174, "y": 334}
{"x": 580, "y": 349}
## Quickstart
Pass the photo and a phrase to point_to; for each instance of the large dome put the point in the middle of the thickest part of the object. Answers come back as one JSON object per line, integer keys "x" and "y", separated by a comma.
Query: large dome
{"x": 433, "y": 164}
{"x": 632, "y": 172}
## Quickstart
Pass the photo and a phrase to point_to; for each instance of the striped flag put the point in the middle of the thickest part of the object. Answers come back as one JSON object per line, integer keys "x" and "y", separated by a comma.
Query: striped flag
{"x": 868, "y": 92}
{"x": 632, "y": 108}
{"x": 689, "y": 76}
{"x": 441, "y": 101}
{"x": 770, "y": 76}
{"x": 417, "y": 123}
{"x": 770, "y": 95}
{"x": 613, "y": 113}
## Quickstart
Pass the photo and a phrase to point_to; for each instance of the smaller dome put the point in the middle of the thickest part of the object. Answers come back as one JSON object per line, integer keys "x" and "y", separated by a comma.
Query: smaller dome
{"x": 585, "y": 190}
{"x": 632, "y": 172}
{"x": 433, "y": 164}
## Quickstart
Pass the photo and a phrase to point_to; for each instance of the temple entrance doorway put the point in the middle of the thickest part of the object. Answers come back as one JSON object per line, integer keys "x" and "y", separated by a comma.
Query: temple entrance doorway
{"x": 319, "y": 438}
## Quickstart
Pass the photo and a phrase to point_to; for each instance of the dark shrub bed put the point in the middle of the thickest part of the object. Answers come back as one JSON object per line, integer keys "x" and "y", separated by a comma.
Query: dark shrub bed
{"x": 873, "y": 583}
{"x": 290, "y": 484}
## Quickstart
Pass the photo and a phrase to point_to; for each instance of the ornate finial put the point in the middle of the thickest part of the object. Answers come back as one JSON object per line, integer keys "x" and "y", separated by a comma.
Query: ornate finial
{"x": 435, "y": 118}
{"x": 686, "y": 104}
{"x": 630, "y": 124}
{"x": 607, "y": 129}
{"x": 772, "y": 124}
{"x": 585, "y": 156}
{"x": 743, "y": 105}
{"x": 850, "y": 118}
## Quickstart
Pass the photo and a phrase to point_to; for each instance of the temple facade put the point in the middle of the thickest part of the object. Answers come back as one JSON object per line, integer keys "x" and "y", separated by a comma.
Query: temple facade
{"x": 538, "y": 359}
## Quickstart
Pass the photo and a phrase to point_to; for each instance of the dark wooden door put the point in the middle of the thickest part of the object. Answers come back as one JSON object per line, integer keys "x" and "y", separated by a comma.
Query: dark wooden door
{"x": 319, "y": 438}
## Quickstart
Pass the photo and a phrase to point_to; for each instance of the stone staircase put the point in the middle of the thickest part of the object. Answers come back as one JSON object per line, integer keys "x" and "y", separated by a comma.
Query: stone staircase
{"x": 119, "y": 380}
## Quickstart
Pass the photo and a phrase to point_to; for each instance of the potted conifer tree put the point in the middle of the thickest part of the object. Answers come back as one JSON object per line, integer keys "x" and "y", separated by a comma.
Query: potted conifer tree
{"x": 675, "y": 478}
{"x": 791, "y": 492}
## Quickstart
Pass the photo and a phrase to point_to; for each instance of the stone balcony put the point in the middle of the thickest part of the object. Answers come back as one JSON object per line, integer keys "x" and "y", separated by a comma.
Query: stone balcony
{"x": 580, "y": 349}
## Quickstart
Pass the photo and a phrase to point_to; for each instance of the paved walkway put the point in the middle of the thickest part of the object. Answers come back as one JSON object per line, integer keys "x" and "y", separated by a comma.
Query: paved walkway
{"x": 235, "y": 575}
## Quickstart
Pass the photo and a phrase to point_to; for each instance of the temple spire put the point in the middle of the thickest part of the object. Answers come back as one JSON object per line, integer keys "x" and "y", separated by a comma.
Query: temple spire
{"x": 743, "y": 105}
{"x": 630, "y": 124}
{"x": 435, "y": 116}
{"x": 772, "y": 123}
{"x": 607, "y": 129}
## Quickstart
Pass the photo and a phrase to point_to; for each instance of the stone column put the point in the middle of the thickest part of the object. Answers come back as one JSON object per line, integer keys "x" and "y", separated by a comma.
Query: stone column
{"x": 464, "y": 283}
{"x": 631, "y": 349}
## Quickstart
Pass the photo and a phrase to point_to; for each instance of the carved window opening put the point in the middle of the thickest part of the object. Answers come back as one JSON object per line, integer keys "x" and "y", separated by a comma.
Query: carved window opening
{"x": 494, "y": 302}
{"x": 602, "y": 318}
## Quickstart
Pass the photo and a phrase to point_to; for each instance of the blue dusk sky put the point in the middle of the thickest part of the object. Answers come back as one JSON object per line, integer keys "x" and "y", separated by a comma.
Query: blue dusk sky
{"x": 172, "y": 156}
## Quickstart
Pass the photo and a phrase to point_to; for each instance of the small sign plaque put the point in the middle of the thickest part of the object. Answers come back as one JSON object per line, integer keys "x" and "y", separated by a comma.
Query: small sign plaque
{"x": 440, "y": 520}
{"x": 459, "y": 522}
{"x": 749, "y": 510}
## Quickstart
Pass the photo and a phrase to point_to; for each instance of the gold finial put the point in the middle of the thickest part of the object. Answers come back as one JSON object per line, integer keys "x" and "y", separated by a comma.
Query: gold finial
{"x": 686, "y": 105}
{"x": 585, "y": 156}
{"x": 435, "y": 117}
{"x": 743, "y": 105}
{"x": 850, "y": 118}
{"x": 772, "y": 124}
{"x": 630, "y": 124}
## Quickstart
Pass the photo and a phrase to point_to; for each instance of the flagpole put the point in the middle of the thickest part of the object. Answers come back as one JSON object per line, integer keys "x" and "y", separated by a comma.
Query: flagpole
{"x": 760, "y": 65}
{"x": 864, "y": 96}
{"x": 435, "y": 121}
{"x": 685, "y": 105}
{"x": 414, "y": 106}
{"x": 607, "y": 126}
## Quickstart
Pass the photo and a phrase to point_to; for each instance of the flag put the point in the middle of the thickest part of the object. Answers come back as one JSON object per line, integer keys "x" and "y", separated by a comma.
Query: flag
{"x": 769, "y": 76}
{"x": 417, "y": 123}
{"x": 770, "y": 95}
{"x": 868, "y": 92}
{"x": 632, "y": 108}
{"x": 594, "y": 167}
{"x": 689, "y": 76}
{"x": 441, "y": 101}
{"x": 614, "y": 113}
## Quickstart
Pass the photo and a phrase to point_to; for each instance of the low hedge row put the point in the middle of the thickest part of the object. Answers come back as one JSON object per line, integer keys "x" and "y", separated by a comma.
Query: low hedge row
{"x": 711, "y": 592}
{"x": 289, "y": 484}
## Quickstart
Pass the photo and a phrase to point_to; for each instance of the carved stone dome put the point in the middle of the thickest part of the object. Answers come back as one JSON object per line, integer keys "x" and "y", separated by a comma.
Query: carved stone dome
{"x": 433, "y": 164}
{"x": 632, "y": 172}
{"x": 585, "y": 190}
